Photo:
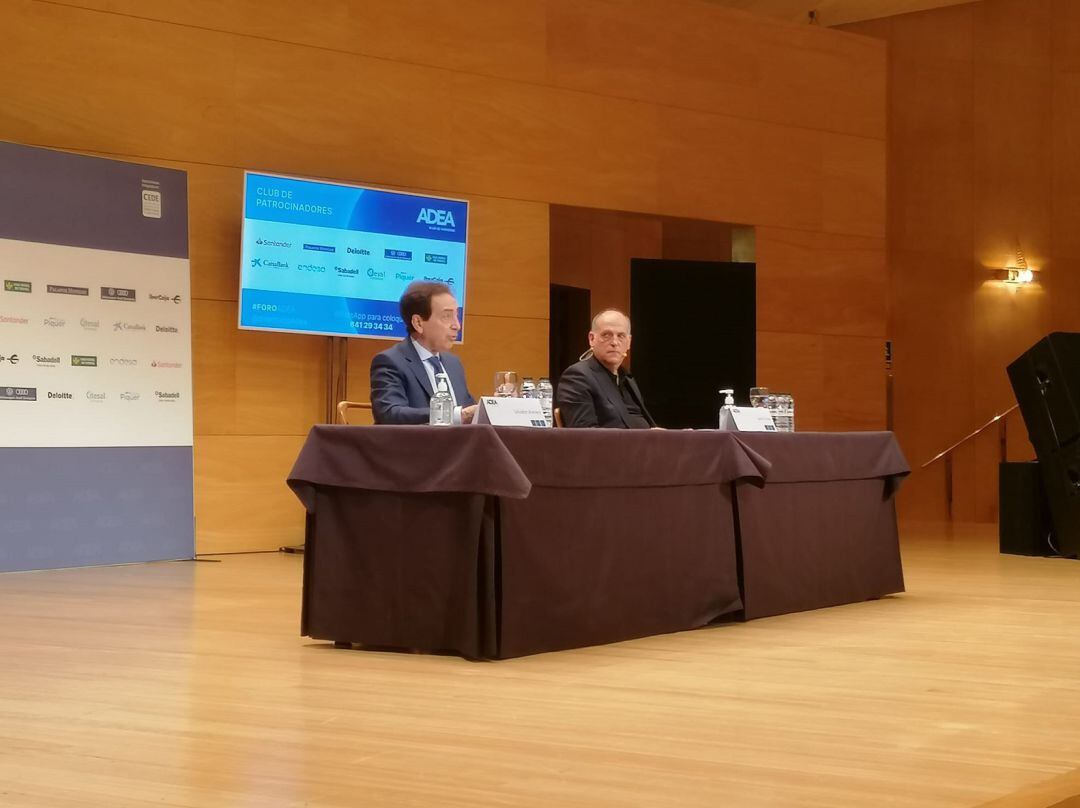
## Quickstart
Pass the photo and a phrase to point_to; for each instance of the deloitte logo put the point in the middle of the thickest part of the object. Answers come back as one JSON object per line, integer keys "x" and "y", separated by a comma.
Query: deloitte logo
{"x": 62, "y": 396}
{"x": 357, "y": 251}
{"x": 166, "y": 329}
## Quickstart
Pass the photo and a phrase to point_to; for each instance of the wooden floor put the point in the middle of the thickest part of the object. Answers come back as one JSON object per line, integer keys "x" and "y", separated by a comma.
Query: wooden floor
{"x": 186, "y": 685}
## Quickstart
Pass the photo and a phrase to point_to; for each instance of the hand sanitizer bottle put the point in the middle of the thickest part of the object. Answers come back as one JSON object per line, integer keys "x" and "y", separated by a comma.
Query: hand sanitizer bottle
{"x": 442, "y": 403}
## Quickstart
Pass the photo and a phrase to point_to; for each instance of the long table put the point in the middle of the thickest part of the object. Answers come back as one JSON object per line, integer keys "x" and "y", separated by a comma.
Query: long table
{"x": 499, "y": 542}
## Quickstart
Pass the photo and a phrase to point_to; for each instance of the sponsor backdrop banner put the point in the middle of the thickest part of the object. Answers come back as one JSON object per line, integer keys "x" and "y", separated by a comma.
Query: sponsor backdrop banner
{"x": 95, "y": 362}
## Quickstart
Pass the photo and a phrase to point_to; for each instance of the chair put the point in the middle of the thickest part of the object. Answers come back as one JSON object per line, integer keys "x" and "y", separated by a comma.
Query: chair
{"x": 558, "y": 418}
{"x": 343, "y": 408}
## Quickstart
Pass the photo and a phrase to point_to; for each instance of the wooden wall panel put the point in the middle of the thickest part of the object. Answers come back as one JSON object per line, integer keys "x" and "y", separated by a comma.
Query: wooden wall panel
{"x": 241, "y": 501}
{"x": 983, "y": 142}
{"x": 816, "y": 282}
{"x": 513, "y": 105}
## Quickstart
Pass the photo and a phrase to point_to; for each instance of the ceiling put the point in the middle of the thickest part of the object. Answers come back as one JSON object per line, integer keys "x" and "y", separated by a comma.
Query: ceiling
{"x": 834, "y": 12}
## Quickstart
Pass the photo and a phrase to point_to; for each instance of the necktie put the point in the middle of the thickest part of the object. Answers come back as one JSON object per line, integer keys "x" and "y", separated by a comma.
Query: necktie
{"x": 435, "y": 363}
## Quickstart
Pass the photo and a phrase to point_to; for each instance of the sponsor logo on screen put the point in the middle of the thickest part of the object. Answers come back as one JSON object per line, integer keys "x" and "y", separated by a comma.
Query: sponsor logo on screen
{"x": 166, "y": 329}
{"x": 402, "y": 276}
{"x": 165, "y": 363}
{"x": 263, "y": 307}
{"x": 54, "y": 322}
{"x": 93, "y": 395}
{"x": 435, "y": 216}
{"x": 18, "y": 286}
{"x": 376, "y": 274}
{"x": 320, "y": 248}
{"x": 129, "y": 396}
{"x": 6, "y": 318}
{"x": 122, "y": 326}
{"x": 90, "y": 325}
{"x": 166, "y": 298}
{"x": 54, "y": 289}
{"x": 115, "y": 293}
{"x": 434, "y": 258}
{"x": 264, "y": 263}
{"x": 81, "y": 361}
{"x": 447, "y": 281}
{"x": 269, "y": 242}
{"x": 60, "y": 395}
{"x": 357, "y": 251}
{"x": 310, "y": 268}
{"x": 166, "y": 396}
{"x": 123, "y": 362}
{"x": 13, "y": 359}
{"x": 347, "y": 272}
{"x": 398, "y": 255}
{"x": 18, "y": 394}
{"x": 47, "y": 361}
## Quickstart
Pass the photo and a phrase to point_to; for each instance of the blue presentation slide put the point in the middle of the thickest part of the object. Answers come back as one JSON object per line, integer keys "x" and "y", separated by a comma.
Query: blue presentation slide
{"x": 322, "y": 258}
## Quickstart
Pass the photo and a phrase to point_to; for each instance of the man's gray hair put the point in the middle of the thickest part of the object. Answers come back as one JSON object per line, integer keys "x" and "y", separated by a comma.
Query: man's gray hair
{"x": 592, "y": 327}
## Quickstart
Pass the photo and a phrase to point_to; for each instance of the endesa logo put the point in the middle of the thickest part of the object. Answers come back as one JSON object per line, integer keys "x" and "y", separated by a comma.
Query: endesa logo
{"x": 443, "y": 218}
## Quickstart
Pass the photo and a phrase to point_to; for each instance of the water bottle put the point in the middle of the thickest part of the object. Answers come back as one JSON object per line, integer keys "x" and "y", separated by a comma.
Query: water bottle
{"x": 442, "y": 403}
{"x": 790, "y": 406}
{"x": 783, "y": 413}
{"x": 528, "y": 387}
{"x": 545, "y": 392}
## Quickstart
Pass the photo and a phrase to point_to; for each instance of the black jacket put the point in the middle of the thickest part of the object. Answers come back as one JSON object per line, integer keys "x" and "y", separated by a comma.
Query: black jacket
{"x": 587, "y": 396}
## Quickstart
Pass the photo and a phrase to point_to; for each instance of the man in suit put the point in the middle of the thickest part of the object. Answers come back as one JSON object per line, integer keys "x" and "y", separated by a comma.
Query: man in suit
{"x": 403, "y": 377}
{"x": 597, "y": 391}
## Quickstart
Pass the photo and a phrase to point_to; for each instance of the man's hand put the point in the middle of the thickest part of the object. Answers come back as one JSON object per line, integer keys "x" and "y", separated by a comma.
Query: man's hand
{"x": 467, "y": 413}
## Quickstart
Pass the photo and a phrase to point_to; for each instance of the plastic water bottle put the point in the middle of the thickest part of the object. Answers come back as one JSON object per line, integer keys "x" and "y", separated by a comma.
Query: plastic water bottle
{"x": 783, "y": 413}
{"x": 442, "y": 403}
{"x": 546, "y": 393}
{"x": 528, "y": 387}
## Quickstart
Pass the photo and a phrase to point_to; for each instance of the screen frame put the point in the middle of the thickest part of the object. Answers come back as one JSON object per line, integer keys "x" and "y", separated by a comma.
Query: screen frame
{"x": 382, "y": 189}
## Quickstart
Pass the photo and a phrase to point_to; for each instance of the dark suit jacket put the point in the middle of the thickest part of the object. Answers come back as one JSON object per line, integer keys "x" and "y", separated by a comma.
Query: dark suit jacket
{"x": 400, "y": 389}
{"x": 587, "y": 396}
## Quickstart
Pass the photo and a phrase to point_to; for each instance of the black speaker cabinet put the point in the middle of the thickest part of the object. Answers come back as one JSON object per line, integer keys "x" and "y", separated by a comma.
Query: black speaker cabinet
{"x": 1046, "y": 380}
{"x": 1023, "y": 515}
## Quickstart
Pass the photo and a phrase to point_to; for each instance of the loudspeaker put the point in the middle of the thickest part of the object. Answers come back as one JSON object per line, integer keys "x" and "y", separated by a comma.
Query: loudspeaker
{"x": 1024, "y": 526}
{"x": 1046, "y": 380}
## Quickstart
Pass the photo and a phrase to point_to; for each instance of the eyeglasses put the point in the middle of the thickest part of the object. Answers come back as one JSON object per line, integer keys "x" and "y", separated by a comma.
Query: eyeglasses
{"x": 611, "y": 336}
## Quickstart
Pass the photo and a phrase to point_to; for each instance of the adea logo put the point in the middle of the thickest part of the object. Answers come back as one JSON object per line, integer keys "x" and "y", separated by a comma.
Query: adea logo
{"x": 435, "y": 216}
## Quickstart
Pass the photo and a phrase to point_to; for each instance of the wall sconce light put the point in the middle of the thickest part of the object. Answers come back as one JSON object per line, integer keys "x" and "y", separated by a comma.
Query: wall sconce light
{"x": 1017, "y": 275}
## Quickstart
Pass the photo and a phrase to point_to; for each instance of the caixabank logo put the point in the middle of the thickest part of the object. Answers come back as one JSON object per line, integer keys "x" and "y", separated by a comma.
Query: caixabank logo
{"x": 18, "y": 393}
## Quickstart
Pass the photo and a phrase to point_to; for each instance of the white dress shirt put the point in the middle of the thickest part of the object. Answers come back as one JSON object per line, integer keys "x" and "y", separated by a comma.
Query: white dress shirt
{"x": 424, "y": 355}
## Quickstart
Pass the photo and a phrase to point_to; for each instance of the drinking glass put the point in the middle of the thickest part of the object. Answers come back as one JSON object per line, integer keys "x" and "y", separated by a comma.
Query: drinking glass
{"x": 757, "y": 396}
{"x": 506, "y": 384}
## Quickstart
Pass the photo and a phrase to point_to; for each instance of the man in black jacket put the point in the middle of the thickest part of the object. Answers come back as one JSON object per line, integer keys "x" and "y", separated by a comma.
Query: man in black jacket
{"x": 597, "y": 391}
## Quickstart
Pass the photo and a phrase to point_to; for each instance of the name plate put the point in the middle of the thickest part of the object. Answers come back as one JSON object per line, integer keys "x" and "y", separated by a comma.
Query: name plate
{"x": 746, "y": 419}
{"x": 510, "y": 412}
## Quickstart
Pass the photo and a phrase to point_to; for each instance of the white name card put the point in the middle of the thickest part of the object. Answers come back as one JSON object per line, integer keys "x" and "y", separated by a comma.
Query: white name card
{"x": 747, "y": 419}
{"x": 510, "y": 412}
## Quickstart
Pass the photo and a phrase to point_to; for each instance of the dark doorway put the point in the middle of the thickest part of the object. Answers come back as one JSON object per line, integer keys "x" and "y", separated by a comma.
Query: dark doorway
{"x": 694, "y": 326}
{"x": 568, "y": 332}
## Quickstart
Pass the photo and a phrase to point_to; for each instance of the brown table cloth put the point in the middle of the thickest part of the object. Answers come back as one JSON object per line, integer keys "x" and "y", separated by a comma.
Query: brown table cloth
{"x": 822, "y": 531}
{"x": 498, "y": 543}
{"x": 400, "y": 538}
{"x": 624, "y": 534}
